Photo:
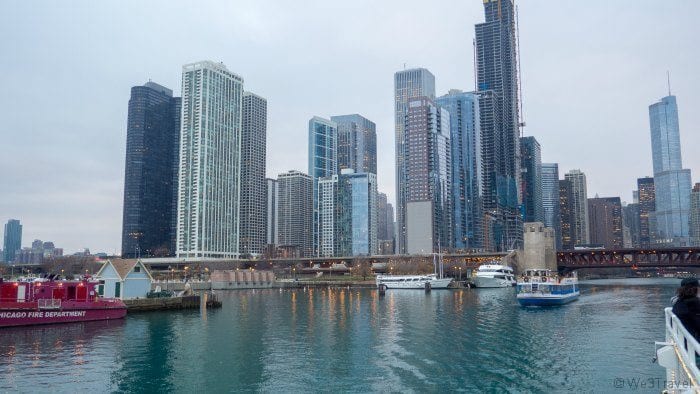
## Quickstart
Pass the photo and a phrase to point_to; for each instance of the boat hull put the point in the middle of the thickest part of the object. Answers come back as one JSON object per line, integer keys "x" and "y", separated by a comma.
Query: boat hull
{"x": 417, "y": 285}
{"x": 18, "y": 316}
{"x": 543, "y": 300}
{"x": 487, "y": 282}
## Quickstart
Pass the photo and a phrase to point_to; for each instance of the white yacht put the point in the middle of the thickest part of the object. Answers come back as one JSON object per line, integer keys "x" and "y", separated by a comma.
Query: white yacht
{"x": 412, "y": 281}
{"x": 494, "y": 275}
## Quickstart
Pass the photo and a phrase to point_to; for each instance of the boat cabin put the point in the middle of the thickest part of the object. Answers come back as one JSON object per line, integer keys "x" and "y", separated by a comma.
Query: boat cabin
{"x": 42, "y": 289}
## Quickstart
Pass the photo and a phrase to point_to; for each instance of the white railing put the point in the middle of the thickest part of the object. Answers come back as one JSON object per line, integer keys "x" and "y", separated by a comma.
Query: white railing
{"x": 688, "y": 348}
{"x": 46, "y": 303}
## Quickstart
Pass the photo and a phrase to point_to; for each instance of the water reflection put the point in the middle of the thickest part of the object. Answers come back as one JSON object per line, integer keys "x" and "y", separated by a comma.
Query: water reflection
{"x": 352, "y": 340}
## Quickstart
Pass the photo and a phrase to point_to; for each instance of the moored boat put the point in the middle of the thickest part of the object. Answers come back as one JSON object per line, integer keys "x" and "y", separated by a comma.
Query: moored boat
{"x": 540, "y": 287}
{"x": 47, "y": 301}
{"x": 494, "y": 275}
{"x": 412, "y": 281}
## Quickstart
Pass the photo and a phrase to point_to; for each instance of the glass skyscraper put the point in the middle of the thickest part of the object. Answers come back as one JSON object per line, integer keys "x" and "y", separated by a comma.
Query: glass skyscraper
{"x": 357, "y": 143}
{"x": 465, "y": 142}
{"x": 550, "y": 199}
{"x": 531, "y": 186}
{"x": 496, "y": 69}
{"x": 12, "y": 241}
{"x": 408, "y": 84}
{"x": 150, "y": 175}
{"x": 323, "y": 163}
{"x": 427, "y": 174}
{"x": 210, "y": 158}
{"x": 671, "y": 182}
{"x": 357, "y": 221}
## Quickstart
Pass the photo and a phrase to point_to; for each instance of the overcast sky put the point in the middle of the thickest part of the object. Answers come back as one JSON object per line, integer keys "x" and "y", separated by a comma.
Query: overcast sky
{"x": 589, "y": 71}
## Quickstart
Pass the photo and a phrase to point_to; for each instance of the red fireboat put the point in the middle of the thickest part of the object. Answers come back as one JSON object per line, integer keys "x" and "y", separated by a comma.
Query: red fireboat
{"x": 47, "y": 301}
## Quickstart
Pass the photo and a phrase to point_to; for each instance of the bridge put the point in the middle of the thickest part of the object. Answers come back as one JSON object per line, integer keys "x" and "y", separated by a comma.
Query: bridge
{"x": 569, "y": 260}
{"x": 380, "y": 263}
{"x": 685, "y": 257}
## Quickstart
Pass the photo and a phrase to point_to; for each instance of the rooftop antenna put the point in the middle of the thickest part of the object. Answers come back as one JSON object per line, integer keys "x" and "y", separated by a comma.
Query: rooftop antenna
{"x": 668, "y": 81}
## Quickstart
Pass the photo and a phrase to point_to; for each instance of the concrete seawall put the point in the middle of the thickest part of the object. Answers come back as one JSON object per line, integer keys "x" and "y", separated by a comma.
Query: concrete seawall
{"x": 155, "y": 304}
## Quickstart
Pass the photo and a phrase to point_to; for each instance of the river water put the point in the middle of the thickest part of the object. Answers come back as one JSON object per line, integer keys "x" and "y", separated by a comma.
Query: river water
{"x": 332, "y": 340}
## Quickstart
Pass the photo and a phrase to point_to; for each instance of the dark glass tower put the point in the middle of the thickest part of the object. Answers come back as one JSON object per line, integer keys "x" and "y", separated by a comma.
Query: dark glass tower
{"x": 647, "y": 206}
{"x": 496, "y": 66}
{"x": 465, "y": 141}
{"x": 12, "y": 241}
{"x": 150, "y": 177}
{"x": 565, "y": 215}
{"x": 531, "y": 187}
{"x": 357, "y": 143}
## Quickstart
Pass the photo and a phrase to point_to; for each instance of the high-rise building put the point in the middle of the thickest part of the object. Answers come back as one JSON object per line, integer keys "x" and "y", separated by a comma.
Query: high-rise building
{"x": 357, "y": 143}
{"x": 323, "y": 163}
{"x": 382, "y": 225}
{"x": 647, "y": 206}
{"x": 579, "y": 207}
{"x": 358, "y": 217}
{"x": 385, "y": 231}
{"x": 671, "y": 182}
{"x": 531, "y": 179}
{"x": 408, "y": 85}
{"x": 327, "y": 216}
{"x": 253, "y": 186}
{"x": 497, "y": 81}
{"x": 565, "y": 215}
{"x": 12, "y": 241}
{"x": 210, "y": 157}
{"x": 605, "y": 221}
{"x": 550, "y": 200}
{"x": 465, "y": 140}
{"x": 271, "y": 193}
{"x": 150, "y": 175}
{"x": 295, "y": 212}
{"x": 694, "y": 216}
{"x": 427, "y": 174}
{"x": 631, "y": 221}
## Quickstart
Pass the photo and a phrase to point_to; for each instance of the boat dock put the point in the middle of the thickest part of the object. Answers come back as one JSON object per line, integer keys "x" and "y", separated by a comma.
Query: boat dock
{"x": 163, "y": 303}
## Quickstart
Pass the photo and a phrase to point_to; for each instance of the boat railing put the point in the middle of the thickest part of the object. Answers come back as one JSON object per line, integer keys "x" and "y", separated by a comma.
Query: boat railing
{"x": 687, "y": 347}
{"x": 49, "y": 303}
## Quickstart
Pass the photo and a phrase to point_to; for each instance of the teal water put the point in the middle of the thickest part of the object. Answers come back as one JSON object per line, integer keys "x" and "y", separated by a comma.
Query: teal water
{"x": 333, "y": 340}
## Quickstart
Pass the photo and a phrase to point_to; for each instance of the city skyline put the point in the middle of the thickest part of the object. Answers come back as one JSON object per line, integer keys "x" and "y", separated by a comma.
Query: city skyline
{"x": 85, "y": 193}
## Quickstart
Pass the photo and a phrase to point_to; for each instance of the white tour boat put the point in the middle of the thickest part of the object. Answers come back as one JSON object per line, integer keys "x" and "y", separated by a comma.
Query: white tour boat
{"x": 431, "y": 281}
{"x": 678, "y": 355}
{"x": 541, "y": 287}
{"x": 494, "y": 275}
{"x": 412, "y": 281}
